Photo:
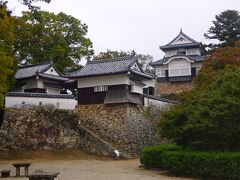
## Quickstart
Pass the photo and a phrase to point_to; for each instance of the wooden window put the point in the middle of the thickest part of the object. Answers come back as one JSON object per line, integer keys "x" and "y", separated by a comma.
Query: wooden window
{"x": 161, "y": 72}
{"x": 181, "y": 52}
{"x": 100, "y": 88}
{"x": 184, "y": 71}
{"x": 174, "y": 72}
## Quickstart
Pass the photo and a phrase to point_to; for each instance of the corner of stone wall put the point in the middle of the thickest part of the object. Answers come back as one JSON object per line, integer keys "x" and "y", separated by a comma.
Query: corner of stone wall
{"x": 142, "y": 131}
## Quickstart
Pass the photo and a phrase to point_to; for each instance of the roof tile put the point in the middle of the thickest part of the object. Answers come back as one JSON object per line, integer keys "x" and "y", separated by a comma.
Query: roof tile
{"x": 105, "y": 67}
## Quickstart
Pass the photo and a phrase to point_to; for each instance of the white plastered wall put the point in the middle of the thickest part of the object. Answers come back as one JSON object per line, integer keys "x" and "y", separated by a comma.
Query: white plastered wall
{"x": 51, "y": 90}
{"x": 154, "y": 102}
{"x": 149, "y": 83}
{"x": 60, "y": 103}
{"x": 136, "y": 88}
{"x": 103, "y": 80}
{"x": 51, "y": 71}
{"x": 185, "y": 41}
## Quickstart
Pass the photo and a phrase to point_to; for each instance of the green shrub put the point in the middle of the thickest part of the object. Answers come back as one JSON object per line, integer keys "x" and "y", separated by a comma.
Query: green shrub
{"x": 152, "y": 156}
{"x": 224, "y": 165}
{"x": 207, "y": 120}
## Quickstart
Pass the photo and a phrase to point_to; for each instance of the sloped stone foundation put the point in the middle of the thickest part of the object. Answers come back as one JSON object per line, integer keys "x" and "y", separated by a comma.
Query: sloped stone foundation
{"x": 123, "y": 126}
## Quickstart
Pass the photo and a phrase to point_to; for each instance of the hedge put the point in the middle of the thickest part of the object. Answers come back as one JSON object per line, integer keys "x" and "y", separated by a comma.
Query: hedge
{"x": 224, "y": 165}
{"x": 151, "y": 157}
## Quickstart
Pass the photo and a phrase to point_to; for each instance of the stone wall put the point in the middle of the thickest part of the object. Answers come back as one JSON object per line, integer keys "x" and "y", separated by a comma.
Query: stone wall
{"x": 41, "y": 128}
{"x": 123, "y": 126}
{"x": 31, "y": 129}
{"x": 98, "y": 129}
{"x": 172, "y": 88}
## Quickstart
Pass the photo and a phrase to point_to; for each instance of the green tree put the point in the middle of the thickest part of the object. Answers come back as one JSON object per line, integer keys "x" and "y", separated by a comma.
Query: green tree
{"x": 143, "y": 59}
{"x": 59, "y": 38}
{"x": 7, "y": 62}
{"x": 28, "y": 3}
{"x": 225, "y": 29}
{"x": 209, "y": 117}
{"x": 216, "y": 63}
{"x": 111, "y": 54}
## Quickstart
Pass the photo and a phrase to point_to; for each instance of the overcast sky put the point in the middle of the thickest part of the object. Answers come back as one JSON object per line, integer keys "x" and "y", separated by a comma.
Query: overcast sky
{"x": 141, "y": 25}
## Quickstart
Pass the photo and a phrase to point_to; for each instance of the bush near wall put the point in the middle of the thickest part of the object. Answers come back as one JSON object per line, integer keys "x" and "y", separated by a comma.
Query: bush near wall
{"x": 223, "y": 165}
{"x": 151, "y": 157}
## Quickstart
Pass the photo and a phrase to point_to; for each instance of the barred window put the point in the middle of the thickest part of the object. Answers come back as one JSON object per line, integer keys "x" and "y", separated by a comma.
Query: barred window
{"x": 161, "y": 73}
{"x": 100, "y": 88}
{"x": 180, "y": 71}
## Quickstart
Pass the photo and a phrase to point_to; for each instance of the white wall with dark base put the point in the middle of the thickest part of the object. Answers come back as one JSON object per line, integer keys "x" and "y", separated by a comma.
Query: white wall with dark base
{"x": 60, "y": 103}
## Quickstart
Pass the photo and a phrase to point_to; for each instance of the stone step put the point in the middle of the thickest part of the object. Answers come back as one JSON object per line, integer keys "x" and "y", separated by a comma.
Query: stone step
{"x": 124, "y": 150}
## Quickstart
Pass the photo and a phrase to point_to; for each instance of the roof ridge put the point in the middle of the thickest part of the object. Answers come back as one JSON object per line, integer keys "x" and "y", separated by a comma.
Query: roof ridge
{"x": 186, "y": 36}
{"x": 189, "y": 37}
{"x": 33, "y": 65}
{"x": 111, "y": 60}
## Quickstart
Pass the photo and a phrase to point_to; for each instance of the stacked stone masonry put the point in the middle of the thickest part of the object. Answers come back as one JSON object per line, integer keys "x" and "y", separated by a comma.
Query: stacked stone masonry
{"x": 172, "y": 88}
{"x": 97, "y": 129}
{"x": 29, "y": 129}
{"x": 123, "y": 126}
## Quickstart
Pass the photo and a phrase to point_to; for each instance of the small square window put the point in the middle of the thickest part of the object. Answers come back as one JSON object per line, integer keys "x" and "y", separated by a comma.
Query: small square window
{"x": 161, "y": 72}
{"x": 182, "y": 52}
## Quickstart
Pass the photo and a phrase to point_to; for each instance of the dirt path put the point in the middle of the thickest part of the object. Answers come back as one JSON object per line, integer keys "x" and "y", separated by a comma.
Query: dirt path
{"x": 94, "y": 170}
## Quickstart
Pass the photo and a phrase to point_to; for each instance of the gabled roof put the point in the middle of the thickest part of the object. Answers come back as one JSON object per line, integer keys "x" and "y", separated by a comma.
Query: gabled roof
{"x": 173, "y": 45}
{"x": 31, "y": 71}
{"x": 107, "y": 67}
{"x": 195, "y": 58}
{"x": 52, "y": 77}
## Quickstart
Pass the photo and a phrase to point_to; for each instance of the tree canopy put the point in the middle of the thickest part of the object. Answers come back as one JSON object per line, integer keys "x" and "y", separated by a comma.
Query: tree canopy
{"x": 59, "y": 38}
{"x": 208, "y": 117}
{"x": 225, "y": 29}
{"x": 7, "y": 61}
{"x": 109, "y": 54}
{"x": 28, "y": 3}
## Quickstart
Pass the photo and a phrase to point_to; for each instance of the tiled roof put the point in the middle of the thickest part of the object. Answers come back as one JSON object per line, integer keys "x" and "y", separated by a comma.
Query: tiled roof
{"x": 106, "y": 67}
{"x": 173, "y": 46}
{"x": 42, "y": 95}
{"x": 142, "y": 74}
{"x": 31, "y": 70}
{"x": 54, "y": 77}
{"x": 196, "y": 58}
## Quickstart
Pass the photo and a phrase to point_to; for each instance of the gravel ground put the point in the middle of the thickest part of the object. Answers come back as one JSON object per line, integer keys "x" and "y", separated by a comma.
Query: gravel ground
{"x": 91, "y": 169}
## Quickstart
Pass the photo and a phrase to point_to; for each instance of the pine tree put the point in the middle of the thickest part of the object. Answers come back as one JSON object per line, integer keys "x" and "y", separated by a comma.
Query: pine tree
{"x": 225, "y": 29}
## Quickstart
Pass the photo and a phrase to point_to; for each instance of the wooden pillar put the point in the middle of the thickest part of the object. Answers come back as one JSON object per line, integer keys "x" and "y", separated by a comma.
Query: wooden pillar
{"x": 26, "y": 170}
{"x": 17, "y": 171}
